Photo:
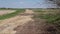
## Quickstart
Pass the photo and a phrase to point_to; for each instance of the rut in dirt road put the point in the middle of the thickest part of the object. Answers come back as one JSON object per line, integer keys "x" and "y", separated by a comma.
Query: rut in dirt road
{"x": 7, "y": 26}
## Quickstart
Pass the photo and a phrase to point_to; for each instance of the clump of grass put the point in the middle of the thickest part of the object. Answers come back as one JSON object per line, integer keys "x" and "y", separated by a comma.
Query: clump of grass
{"x": 11, "y": 14}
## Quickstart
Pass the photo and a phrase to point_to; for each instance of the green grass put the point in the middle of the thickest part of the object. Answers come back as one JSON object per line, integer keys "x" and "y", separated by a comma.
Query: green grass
{"x": 50, "y": 17}
{"x": 11, "y": 14}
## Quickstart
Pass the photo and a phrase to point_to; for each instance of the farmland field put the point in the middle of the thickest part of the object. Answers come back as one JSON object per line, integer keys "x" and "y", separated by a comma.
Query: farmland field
{"x": 9, "y": 13}
{"x": 2, "y": 12}
{"x": 30, "y": 21}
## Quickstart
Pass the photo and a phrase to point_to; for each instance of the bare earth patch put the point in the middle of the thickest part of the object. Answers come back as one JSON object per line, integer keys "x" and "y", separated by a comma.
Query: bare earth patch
{"x": 2, "y": 12}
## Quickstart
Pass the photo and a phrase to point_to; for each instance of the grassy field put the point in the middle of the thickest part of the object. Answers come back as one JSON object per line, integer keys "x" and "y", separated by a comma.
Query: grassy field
{"x": 5, "y": 16}
{"x": 51, "y": 15}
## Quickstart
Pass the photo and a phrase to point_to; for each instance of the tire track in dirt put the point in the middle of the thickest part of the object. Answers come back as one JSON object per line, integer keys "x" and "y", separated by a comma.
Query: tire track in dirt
{"x": 7, "y": 26}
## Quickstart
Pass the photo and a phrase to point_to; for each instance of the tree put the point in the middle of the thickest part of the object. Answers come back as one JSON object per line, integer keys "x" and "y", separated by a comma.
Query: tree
{"x": 57, "y": 2}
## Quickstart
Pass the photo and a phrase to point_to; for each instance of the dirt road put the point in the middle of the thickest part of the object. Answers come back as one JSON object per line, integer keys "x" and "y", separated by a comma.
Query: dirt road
{"x": 7, "y": 26}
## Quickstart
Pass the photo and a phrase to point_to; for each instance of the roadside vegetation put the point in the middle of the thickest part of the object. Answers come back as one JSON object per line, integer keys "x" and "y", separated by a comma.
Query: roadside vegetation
{"x": 9, "y": 8}
{"x": 52, "y": 16}
{"x": 5, "y": 16}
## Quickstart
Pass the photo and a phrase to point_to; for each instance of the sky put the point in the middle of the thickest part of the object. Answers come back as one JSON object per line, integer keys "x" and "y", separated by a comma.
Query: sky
{"x": 26, "y": 4}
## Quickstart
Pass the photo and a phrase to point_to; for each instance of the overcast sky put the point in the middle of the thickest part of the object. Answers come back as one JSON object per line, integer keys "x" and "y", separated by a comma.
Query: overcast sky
{"x": 25, "y": 4}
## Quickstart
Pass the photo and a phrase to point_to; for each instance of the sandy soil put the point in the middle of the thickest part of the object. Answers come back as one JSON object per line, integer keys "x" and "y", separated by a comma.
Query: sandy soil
{"x": 7, "y": 26}
{"x": 2, "y": 12}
